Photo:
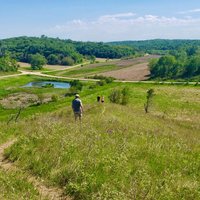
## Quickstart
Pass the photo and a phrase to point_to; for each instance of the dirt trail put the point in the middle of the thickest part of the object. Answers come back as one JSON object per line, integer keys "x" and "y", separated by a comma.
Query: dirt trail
{"x": 45, "y": 192}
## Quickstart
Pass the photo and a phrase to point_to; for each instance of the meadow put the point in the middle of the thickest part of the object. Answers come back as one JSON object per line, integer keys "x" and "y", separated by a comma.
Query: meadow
{"x": 118, "y": 152}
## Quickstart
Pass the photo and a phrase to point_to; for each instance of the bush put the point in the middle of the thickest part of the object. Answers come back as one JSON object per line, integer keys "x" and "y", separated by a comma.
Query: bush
{"x": 93, "y": 86}
{"x": 72, "y": 91}
{"x": 37, "y": 61}
{"x": 101, "y": 83}
{"x": 76, "y": 84}
{"x": 115, "y": 96}
{"x": 54, "y": 98}
{"x": 125, "y": 96}
{"x": 8, "y": 64}
{"x": 150, "y": 94}
{"x": 68, "y": 61}
{"x": 105, "y": 78}
{"x": 119, "y": 96}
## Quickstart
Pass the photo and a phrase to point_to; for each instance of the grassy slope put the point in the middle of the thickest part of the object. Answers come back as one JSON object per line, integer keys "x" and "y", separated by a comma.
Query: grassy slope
{"x": 8, "y": 73}
{"x": 119, "y": 152}
{"x": 15, "y": 186}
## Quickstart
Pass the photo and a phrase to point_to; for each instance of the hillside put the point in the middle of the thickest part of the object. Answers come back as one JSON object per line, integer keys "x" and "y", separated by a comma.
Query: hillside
{"x": 161, "y": 46}
{"x": 58, "y": 51}
{"x": 118, "y": 152}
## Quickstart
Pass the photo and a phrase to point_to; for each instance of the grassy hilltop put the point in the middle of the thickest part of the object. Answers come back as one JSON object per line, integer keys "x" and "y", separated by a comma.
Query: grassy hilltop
{"x": 119, "y": 152}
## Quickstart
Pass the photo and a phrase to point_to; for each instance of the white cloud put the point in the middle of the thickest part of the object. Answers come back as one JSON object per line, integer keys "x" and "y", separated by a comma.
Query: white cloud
{"x": 117, "y": 16}
{"x": 128, "y": 26}
{"x": 190, "y": 11}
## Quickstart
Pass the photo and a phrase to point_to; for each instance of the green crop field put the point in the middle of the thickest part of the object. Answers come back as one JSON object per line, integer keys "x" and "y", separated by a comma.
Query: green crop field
{"x": 118, "y": 152}
{"x": 84, "y": 71}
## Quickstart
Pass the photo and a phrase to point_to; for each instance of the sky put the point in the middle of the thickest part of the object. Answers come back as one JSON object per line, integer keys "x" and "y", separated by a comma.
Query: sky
{"x": 101, "y": 20}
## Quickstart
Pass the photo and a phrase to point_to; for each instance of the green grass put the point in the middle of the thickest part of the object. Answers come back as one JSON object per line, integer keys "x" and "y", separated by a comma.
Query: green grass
{"x": 84, "y": 71}
{"x": 14, "y": 85}
{"x": 13, "y": 185}
{"x": 8, "y": 73}
{"x": 39, "y": 70}
{"x": 119, "y": 152}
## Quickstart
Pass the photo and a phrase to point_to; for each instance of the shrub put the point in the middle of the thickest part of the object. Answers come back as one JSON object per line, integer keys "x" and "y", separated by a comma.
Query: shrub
{"x": 8, "y": 64}
{"x": 105, "y": 78}
{"x": 125, "y": 96}
{"x": 101, "y": 83}
{"x": 76, "y": 84}
{"x": 67, "y": 61}
{"x": 37, "y": 61}
{"x": 115, "y": 96}
{"x": 54, "y": 98}
{"x": 150, "y": 94}
{"x": 119, "y": 96}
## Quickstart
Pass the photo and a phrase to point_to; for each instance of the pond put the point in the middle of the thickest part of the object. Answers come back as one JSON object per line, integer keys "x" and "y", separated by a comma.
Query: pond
{"x": 48, "y": 84}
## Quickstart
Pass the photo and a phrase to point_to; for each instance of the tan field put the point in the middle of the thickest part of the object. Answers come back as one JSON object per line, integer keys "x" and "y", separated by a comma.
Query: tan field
{"x": 136, "y": 72}
{"x": 135, "y": 69}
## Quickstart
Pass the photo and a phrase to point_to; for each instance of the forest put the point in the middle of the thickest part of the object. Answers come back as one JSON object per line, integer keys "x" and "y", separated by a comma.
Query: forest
{"x": 180, "y": 59}
{"x": 158, "y": 46}
{"x": 183, "y": 63}
{"x": 57, "y": 51}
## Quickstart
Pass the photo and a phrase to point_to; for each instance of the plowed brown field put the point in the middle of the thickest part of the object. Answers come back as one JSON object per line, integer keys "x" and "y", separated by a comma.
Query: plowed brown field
{"x": 134, "y": 69}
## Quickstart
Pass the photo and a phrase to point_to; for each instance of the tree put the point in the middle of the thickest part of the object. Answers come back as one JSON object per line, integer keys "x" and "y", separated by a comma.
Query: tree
{"x": 53, "y": 59}
{"x": 193, "y": 67}
{"x": 37, "y": 61}
{"x": 150, "y": 95}
{"x": 67, "y": 61}
{"x": 8, "y": 64}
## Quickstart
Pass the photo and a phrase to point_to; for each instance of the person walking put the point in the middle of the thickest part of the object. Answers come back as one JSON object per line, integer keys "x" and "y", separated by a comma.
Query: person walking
{"x": 102, "y": 99}
{"x": 98, "y": 99}
{"x": 77, "y": 107}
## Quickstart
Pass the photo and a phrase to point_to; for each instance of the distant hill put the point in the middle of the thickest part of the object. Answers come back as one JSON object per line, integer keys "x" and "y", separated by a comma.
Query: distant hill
{"x": 161, "y": 46}
{"x": 58, "y": 51}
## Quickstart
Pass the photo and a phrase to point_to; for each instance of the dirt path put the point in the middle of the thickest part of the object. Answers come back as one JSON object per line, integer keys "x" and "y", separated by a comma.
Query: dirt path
{"x": 45, "y": 192}
{"x": 93, "y": 80}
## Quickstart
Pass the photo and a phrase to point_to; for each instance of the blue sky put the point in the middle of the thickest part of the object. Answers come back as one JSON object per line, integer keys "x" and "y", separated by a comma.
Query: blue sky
{"x": 102, "y": 20}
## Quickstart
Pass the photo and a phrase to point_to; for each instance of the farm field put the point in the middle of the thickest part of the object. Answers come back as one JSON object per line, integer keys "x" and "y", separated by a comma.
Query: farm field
{"x": 27, "y": 67}
{"x": 118, "y": 152}
{"x": 138, "y": 72}
{"x": 111, "y": 68}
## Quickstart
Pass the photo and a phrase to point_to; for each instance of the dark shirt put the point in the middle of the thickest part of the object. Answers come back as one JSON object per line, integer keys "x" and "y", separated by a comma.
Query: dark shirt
{"x": 76, "y": 105}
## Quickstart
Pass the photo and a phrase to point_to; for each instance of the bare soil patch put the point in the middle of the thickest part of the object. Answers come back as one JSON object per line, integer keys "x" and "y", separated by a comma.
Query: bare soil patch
{"x": 22, "y": 100}
{"x": 132, "y": 69}
{"x": 138, "y": 72}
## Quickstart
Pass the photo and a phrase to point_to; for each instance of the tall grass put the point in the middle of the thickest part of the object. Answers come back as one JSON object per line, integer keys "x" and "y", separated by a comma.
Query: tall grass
{"x": 118, "y": 152}
{"x": 15, "y": 186}
{"x": 125, "y": 154}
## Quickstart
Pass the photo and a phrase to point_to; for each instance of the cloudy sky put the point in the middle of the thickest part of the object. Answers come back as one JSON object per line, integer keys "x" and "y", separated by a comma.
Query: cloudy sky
{"x": 101, "y": 20}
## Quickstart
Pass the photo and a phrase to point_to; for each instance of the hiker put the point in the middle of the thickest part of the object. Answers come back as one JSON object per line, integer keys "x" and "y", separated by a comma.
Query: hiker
{"x": 98, "y": 98}
{"x": 77, "y": 107}
{"x": 102, "y": 99}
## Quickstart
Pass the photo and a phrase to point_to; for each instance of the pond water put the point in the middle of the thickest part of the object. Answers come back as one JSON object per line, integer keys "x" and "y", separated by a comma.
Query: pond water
{"x": 54, "y": 84}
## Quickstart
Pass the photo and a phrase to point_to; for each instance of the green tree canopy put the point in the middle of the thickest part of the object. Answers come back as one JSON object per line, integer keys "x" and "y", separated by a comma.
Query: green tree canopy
{"x": 37, "y": 61}
{"x": 8, "y": 64}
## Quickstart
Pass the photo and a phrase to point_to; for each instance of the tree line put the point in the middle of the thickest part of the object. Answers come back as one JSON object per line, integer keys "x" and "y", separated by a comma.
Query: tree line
{"x": 158, "y": 46}
{"x": 57, "y": 51}
{"x": 180, "y": 63}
